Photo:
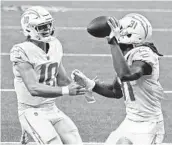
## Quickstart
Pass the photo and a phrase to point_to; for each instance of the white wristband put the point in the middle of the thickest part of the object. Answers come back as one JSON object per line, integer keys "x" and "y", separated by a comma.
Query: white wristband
{"x": 91, "y": 85}
{"x": 65, "y": 90}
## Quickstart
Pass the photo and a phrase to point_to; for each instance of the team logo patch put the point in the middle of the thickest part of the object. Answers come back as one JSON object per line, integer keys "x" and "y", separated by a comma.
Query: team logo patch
{"x": 26, "y": 20}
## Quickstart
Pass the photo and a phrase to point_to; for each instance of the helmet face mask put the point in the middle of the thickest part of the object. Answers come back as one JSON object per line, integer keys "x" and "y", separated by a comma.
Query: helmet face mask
{"x": 37, "y": 24}
{"x": 134, "y": 29}
{"x": 44, "y": 30}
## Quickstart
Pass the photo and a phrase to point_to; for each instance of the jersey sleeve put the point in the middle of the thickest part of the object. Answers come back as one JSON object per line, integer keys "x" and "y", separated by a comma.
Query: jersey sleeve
{"x": 145, "y": 54}
{"x": 17, "y": 55}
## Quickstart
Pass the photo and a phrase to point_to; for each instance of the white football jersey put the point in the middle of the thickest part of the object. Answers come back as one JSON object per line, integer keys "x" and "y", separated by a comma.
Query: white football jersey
{"x": 143, "y": 96}
{"x": 45, "y": 65}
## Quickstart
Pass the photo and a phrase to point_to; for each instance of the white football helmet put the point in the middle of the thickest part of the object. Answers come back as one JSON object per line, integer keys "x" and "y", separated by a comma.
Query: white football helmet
{"x": 134, "y": 29}
{"x": 37, "y": 24}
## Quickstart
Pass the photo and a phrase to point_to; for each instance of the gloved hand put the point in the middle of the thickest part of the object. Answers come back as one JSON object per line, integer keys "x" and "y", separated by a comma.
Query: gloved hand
{"x": 82, "y": 80}
{"x": 115, "y": 29}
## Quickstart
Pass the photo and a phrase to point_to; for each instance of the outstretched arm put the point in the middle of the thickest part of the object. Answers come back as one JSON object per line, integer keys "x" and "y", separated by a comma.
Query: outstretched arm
{"x": 36, "y": 86}
{"x": 108, "y": 90}
{"x": 41, "y": 90}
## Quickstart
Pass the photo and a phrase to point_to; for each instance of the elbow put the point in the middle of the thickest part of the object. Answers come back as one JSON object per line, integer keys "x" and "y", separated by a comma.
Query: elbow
{"x": 118, "y": 94}
{"x": 33, "y": 90}
{"x": 124, "y": 76}
{"x": 33, "y": 93}
{"x": 130, "y": 77}
{"x": 122, "y": 73}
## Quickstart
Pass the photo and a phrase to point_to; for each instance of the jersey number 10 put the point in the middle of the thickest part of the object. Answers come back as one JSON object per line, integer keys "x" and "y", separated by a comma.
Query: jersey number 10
{"x": 48, "y": 74}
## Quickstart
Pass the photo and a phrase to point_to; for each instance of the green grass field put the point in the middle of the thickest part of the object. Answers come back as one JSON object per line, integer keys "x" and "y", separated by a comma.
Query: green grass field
{"x": 95, "y": 121}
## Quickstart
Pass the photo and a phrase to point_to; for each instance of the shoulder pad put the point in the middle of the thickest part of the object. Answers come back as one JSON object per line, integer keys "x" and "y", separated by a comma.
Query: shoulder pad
{"x": 17, "y": 54}
{"x": 143, "y": 53}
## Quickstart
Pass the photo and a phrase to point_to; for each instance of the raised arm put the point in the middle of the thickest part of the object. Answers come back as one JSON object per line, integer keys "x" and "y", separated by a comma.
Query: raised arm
{"x": 124, "y": 72}
{"x": 139, "y": 66}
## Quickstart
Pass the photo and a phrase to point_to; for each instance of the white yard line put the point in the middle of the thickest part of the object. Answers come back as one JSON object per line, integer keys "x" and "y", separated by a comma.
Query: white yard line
{"x": 80, "y": 28}
{"x": 56, "y": 9}
{"x": 12, "y": 90}
{"x": 79, "y": 55}
{"x": 83, "y": 55}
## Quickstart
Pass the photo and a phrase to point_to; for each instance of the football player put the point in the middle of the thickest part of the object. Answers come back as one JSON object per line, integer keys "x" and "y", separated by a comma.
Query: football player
{"x": 39, "y": 79}
{"x": 136, "y": 62}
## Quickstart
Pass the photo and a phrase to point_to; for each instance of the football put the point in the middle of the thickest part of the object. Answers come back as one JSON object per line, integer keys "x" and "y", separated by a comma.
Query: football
{"x": 99, "y": 27}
